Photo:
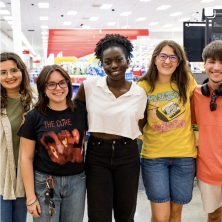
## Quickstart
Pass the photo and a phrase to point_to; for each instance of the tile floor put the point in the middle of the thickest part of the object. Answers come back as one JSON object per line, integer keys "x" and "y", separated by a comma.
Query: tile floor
{"x": 192, "y": 212}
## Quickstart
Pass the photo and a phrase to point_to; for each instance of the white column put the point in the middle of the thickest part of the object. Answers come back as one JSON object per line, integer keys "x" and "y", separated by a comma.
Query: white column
{"x": 16, "y": 23}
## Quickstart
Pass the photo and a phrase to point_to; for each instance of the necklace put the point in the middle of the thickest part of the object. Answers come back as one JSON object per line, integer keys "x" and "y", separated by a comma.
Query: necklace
{"x": 62, "y": 120}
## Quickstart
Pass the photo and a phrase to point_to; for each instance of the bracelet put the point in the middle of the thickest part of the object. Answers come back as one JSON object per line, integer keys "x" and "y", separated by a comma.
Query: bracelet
{"x": 30, "y": 200}
{"x": 32, "y": 203}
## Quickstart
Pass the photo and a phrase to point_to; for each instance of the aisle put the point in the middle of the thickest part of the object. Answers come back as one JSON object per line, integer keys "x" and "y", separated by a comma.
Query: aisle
{"x": 191, "y": 212}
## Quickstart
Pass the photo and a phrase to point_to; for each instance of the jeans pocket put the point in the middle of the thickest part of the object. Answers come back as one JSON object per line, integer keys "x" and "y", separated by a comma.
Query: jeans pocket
{"x": 40, "y": 178}
{"x": 82, "y": 175}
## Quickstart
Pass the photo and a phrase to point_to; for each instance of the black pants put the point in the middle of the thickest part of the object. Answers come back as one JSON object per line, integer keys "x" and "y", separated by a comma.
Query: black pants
{"x": 112, "y": 175}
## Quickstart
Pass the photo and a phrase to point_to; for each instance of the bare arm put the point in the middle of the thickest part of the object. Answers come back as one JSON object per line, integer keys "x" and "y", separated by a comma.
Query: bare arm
{"x": 142, "y": 122}
{"x": 28, "y": 149}
{"x": 80, "y": 96}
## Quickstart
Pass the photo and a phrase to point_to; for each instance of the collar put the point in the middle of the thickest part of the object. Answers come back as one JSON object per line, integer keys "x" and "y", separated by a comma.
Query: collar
{"x": 134, "y": 89}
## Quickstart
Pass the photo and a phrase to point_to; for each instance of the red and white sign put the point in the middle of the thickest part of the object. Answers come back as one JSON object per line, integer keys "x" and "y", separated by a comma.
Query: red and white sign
{"x": 36, "y": 61}
{"x": 25, "y": 52}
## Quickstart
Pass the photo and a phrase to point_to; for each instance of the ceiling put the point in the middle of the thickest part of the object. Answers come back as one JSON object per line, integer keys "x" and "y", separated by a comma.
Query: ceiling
{"x": 58, "y": 9}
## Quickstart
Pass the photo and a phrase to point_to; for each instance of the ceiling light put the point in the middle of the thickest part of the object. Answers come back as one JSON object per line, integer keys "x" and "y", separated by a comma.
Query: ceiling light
{"x": 28, "y": 45}
{"x": 168, "y": 25}
{"x": 9, "y": 22}
{"x": 44, "y": 27}
{"x": 7, "y": 17}
{"x": 111, "y": 23}
{"x": 4, "y": 12}
{"x": 176, "y": 14}
{"x": 184, "y": 19}
{"x": 44, "y": 18}
{"x": 67, "y": 23}
{"x": 43, "y": 5}
{"x": 141, "y": 19}
{"x": 44, "y": 33}
{"x": 206, "y": 1}
{"x": 153, "y": 23}
{"x": 94, "y": 18}
{"x": 71, "y": 12}
{"x": 2, "y": 4}
{"x": 125, "y": 13}
{"x": 106, "y": 6}
{"x": 86, "y": 27}
{"x": 163, "y": 7}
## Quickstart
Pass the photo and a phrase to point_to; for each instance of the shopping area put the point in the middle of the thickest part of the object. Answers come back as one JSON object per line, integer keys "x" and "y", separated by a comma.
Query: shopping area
{"x": 65, "y": 32}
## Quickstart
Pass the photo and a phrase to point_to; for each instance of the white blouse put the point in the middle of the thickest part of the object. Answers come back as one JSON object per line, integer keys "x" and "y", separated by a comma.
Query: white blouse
{"x": 111, "y": 115}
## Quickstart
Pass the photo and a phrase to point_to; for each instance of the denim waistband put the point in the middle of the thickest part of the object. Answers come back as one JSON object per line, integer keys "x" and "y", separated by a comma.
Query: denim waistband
{"x": 114, "y": 141}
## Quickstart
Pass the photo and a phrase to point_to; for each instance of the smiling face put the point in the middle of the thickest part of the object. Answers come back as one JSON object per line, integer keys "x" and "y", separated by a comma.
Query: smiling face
{"x": 58, "y": 95}
{"x": 214, "y": 71}
{"x": 166, "y": 68}
{"x": 115, "y": 62}
{"x": 11, "y": 82}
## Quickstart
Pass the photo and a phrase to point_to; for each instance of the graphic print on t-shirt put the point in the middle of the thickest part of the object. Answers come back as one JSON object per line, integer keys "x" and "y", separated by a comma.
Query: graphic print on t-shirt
{"x": 60, "y": 146}
{"x": 167, "y": 108}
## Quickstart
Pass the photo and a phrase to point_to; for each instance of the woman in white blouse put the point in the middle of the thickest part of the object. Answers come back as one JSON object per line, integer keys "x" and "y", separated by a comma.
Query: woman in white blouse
{"x": 114, "y": 107}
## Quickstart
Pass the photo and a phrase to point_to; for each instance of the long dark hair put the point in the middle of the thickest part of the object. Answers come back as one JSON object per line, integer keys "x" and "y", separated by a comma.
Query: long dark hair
{"x": 42, "y": 80}
{"x": 25, "y": 88}
{"x": 181, "y": 75}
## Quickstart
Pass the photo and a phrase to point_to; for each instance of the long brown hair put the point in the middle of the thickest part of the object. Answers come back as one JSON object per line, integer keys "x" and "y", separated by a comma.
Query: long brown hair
{"x": 42, "y": 80}
{"x": 180, "y": 76}
{"x": 25, "y": 88}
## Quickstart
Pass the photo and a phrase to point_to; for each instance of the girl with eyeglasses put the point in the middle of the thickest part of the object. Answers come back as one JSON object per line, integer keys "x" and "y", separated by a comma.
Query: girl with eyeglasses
{"x": 54, "y": 133}
{"x": 168, "y": 154}
{"x": 16, "y": 99}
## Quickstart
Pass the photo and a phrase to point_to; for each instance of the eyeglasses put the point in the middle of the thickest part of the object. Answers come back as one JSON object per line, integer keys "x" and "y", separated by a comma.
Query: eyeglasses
{"x": 163, "y": 57}
{"x": 14, "y": 71}
{"x": 213, "y": 104}
{"x": 53, "y": 85}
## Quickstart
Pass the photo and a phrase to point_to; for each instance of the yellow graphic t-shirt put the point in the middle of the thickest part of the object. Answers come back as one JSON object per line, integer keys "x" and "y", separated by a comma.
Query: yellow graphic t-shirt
{"x": 168, "y": 132}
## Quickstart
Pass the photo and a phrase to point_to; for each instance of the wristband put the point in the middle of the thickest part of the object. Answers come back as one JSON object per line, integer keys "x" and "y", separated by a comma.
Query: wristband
{"x": 30, "y": 200}
{"x": 32, "y": 203}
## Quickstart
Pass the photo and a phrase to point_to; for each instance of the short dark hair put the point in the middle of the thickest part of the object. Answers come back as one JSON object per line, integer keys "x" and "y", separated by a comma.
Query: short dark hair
{"x": 213, "y": 51}
{"x": 42, "y": 80}
{"x": 114, "y": 40}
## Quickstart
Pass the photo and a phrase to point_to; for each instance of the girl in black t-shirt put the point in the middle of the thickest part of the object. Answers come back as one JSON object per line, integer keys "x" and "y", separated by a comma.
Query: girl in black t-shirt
{"x": 55, "y": 128}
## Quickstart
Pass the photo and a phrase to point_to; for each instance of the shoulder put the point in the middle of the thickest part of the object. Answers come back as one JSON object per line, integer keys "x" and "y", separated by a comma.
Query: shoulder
{"x": 144, "y": 84}
{"x": 91, "y": 80}
{"x": 79, "y": 105}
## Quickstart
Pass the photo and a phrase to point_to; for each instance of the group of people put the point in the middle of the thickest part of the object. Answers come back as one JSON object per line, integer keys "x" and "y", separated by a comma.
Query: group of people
{"x": 44, "y": 167}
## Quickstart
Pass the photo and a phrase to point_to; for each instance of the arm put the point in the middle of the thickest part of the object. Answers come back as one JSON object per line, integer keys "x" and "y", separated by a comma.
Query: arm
{"x": 80, "y": 96}
{"x": 142, "y": 122}
{"x": 27, "y": 153}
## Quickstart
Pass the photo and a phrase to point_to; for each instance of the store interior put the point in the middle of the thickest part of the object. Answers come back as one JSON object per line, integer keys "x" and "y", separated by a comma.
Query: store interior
{"x": 65, "y": 32}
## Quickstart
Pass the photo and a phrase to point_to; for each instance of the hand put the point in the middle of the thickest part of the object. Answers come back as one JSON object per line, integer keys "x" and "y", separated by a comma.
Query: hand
{"x": 35, "y": 209}
{"x": 23, "y": 118}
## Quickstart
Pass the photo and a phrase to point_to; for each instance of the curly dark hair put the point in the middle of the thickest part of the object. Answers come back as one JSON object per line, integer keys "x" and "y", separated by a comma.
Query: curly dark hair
{"x": 43, "y": 77}
{"x": 181, "y": 75}
{"x": 114, "y": 40}
{"x": 25, "y": 88}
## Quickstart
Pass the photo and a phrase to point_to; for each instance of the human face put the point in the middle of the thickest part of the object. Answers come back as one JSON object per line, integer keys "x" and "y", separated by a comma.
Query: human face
{"x": 166, "y": 68}
{"x": 11, "y": 82}
{"x": 58, "y": 95}
{"x": 214, "y": 71}
{"x": 115, "y": 62}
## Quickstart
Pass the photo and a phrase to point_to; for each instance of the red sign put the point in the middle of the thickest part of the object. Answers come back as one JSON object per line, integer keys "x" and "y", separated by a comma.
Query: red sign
{"x": 25, "y": 52}
{"x": 36, "y": 61}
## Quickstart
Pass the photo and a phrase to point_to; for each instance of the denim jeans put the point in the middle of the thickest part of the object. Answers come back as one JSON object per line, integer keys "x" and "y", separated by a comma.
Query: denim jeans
{"x": 112, "y": 175}
{"x": 13, "y": 210}
{"x": 69, "y": 197}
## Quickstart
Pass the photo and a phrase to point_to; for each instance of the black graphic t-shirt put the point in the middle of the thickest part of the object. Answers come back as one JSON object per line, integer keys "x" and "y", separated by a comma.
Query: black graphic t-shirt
{"x": 59, "y": 139}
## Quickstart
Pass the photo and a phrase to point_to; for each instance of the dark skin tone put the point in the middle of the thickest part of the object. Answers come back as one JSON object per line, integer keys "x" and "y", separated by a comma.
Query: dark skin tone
{"x": 115, "y": 64}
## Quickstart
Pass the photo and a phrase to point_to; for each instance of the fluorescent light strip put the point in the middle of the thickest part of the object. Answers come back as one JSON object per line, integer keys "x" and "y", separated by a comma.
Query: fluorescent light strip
{"x": 106, "y": 6}
{"x": 94, "y": 18}
{"x": 176, "y": 14}
{"x": 125, "y": 13}
{"x": 2, "y": 5}
{"x": 43, "y": 5}
{"x": 141, "y": 19}
{"x": 206, "y": 1}
{"x": 163, "y": 7}
{"x": 4, "y": 12}
{"x": 71, "y": 12}
{"x": 44, "y": 33}
{"x": 9, "y": 22}
{"x": 26, "y": 42}
{"x": 7, "y": 17}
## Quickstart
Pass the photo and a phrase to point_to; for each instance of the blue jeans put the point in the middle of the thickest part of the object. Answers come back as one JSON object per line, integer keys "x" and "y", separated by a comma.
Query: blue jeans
{"x": 13, "y": 210}
{"x": 169, "y": 179}
{"x": 69, "y": 197}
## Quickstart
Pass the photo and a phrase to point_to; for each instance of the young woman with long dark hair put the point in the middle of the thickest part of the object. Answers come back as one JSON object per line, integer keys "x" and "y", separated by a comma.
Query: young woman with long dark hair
{"x": 54, "y": 133}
